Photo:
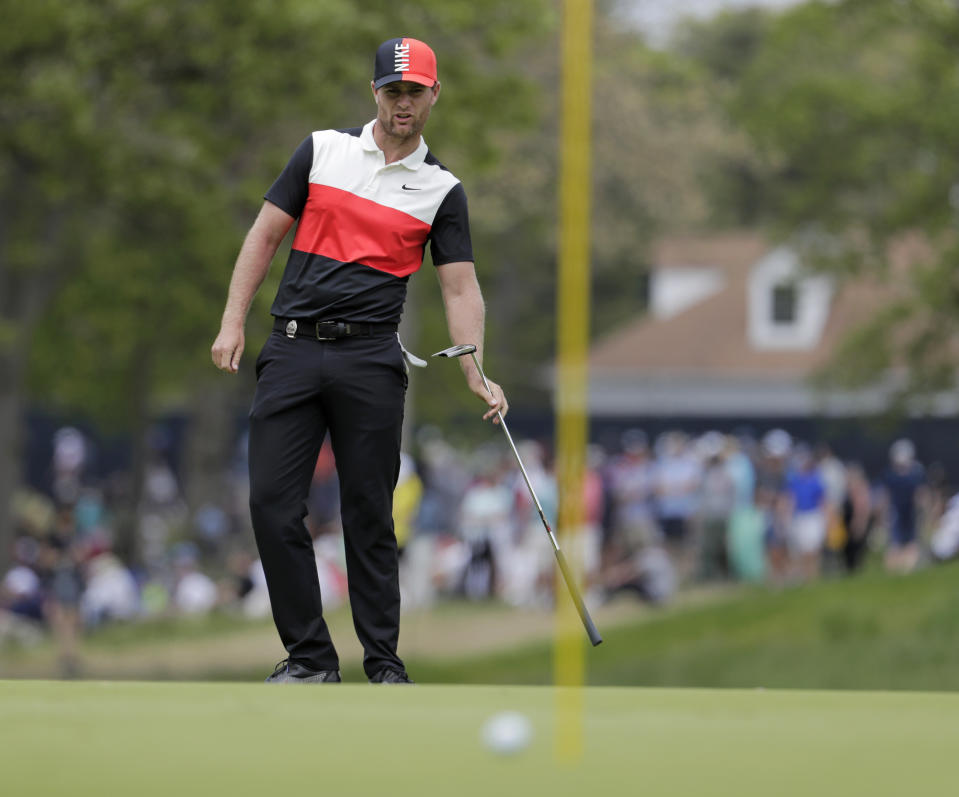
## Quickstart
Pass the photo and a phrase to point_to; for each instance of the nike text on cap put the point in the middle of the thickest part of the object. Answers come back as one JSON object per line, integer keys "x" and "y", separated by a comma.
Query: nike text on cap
{"x": 404, "y": 59}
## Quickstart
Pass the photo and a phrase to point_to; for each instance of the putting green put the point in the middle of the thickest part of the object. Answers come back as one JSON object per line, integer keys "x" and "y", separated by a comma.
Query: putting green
{"x": 119, "y": 738}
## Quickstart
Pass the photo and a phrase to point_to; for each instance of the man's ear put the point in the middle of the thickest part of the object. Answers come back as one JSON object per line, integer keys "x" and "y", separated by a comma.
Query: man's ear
{"x": 373, "y": 88}
{"x": 436, "y": 92}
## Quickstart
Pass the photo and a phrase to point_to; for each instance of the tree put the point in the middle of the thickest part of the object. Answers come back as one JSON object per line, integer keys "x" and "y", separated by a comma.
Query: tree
{"x": 854, "y": 109}
{"x": 139, "y": 138}
{"x": 720, "y": 50}
{"x": 658, "y": 129}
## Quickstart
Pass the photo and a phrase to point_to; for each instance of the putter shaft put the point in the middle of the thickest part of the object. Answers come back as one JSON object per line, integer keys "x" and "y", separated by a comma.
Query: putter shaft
{"x": 591, "y": 630}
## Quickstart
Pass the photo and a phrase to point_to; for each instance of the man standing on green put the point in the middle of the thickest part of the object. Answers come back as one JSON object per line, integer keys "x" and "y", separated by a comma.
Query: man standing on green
{"x": 366, "y": 201}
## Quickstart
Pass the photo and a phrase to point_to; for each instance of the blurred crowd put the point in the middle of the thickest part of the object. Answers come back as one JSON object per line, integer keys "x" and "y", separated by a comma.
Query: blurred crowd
{"x": 666, "y": 514}
{"x": 658, "y": 516}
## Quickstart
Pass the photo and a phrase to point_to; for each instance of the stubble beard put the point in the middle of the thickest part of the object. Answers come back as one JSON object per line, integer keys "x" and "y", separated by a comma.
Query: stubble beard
{"x": 405, "y": 134}
{"x": 415, "y": 129}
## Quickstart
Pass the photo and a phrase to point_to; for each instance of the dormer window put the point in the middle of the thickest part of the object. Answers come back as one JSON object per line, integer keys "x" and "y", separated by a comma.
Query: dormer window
{"x": 788, "y": 306}
{"x": 784, "y": 300}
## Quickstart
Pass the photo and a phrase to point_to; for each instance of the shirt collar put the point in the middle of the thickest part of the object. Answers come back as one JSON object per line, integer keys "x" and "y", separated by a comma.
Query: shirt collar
{"x": 412, "y": 161}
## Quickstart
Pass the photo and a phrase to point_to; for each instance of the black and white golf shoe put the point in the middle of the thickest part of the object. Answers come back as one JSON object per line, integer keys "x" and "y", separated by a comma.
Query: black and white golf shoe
{"x": 290, "y": 672}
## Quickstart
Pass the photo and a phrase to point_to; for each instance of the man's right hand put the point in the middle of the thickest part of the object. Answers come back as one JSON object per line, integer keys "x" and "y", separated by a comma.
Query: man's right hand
{"x": 227, "y": 349}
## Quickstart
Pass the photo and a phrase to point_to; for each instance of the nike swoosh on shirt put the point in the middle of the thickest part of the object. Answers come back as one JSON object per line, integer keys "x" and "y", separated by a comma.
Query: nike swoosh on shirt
{"x": 410, "y": 188}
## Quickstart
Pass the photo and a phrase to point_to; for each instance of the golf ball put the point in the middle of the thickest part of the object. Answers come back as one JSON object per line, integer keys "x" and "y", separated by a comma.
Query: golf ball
{"x": 507, "y": 733}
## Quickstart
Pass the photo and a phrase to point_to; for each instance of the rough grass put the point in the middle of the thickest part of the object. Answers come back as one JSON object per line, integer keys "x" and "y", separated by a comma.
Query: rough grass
{"x": 876, "y": 631}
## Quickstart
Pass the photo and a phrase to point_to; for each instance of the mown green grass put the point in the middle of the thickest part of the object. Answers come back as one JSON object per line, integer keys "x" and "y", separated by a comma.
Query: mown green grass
{"x": 102, "y": 738}
{"x": 875, "y": 631}
{"x": 870, "y": 634}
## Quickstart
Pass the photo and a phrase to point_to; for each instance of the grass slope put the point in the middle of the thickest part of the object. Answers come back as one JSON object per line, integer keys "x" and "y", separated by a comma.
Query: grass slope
{"x": 875, "y": 631}
{"x": 94, "y": 738}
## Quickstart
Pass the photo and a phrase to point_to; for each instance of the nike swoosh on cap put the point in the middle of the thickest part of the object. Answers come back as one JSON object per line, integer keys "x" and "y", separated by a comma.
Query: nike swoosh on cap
{"x": 410, "y": 188}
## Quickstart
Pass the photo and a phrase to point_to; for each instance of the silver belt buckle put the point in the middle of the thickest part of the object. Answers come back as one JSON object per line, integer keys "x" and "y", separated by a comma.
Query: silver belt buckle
{"x": 291, "y": 329}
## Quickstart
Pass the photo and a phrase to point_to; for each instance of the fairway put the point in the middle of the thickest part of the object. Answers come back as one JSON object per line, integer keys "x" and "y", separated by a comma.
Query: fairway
{"x": 99, "y": 738}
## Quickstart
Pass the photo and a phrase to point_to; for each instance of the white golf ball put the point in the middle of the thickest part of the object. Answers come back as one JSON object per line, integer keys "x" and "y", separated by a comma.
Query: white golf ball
{"x": 507, "y": 733}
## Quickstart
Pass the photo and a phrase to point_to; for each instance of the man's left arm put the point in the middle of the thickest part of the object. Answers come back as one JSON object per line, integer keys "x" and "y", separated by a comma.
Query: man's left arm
{"x": 465, "y": 317}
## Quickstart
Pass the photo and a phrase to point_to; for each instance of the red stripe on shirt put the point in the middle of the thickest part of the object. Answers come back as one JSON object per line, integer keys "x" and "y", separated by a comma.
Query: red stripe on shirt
{"x": 343, "y": 226}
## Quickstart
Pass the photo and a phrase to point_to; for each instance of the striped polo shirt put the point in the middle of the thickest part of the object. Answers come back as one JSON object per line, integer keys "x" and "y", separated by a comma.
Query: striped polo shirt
{"x": 363, "y": 226}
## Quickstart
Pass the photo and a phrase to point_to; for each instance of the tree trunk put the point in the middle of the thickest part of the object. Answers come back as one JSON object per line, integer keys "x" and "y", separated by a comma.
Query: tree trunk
{"x": 11, "y": 408}
{"x": 25, "y": 295}
{"x": 128, "y": 513}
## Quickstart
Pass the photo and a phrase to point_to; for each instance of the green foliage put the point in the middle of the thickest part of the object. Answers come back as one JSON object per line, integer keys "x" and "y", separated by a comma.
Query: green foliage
{"x": 656, "y": 134}
{"x": 140, "y": 138}
{"x": 718, "y": 52}
{"x": 867, "y": 351}
{"x": 724, "y": 45}
{"x": 148, "y": 134}
{"x": 854, "y": 110}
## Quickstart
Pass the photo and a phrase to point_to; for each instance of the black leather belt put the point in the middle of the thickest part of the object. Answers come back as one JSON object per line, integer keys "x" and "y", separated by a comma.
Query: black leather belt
{"x": 328, "y": 330}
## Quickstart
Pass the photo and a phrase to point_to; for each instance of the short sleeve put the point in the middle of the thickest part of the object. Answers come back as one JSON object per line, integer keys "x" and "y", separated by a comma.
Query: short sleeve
{"x": 450, "y": 235}
{"x": 292, "y": 187}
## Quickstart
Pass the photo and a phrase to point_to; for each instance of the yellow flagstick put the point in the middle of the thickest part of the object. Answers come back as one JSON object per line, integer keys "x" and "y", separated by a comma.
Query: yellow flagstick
{"x": 572, "y": 336}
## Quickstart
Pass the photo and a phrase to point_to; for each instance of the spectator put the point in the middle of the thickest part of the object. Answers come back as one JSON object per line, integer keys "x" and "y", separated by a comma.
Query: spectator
{"x": 858, "y": 517}
{"x": 589, "y": 538}
{"x": 903, "y": 484}
{"x": 717, "y": 498}
{"x": 944, "y": 543}
{"x": 70, "y": 454}
{"x": 21, "y": 605}
{"x": 63, "y": 586}
{"x": 194, "y": 592}
{"x": 485, "y": 526}
{"x": 531, "y": 580}
{"x": 445, "y": 480}
{"x": 771, "y": 478}
{"x": 678, "y": 477}
{"x": 807, "y": 530}
{"x": 649, "y": 573}
{"x": 832, "y": 473}
{"x": 750, "y": 527}
{"x": 631, "y": 480}
{"x": 741, "y": 468}
{"x": 111, "y": 592}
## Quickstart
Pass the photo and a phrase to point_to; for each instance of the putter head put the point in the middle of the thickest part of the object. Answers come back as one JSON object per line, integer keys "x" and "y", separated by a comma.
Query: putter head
{"x": 456, "y": 351}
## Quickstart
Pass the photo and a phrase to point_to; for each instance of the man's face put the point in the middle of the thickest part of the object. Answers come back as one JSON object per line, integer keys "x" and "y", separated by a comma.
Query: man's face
{"x": 403, "y": 107}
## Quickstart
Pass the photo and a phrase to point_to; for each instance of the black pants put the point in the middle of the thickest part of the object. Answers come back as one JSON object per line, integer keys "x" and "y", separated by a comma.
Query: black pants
{"x": 354, "y": 388}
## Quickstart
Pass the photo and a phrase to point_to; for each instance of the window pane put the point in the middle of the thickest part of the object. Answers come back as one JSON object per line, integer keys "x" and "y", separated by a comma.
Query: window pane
{"x": 784, "y": 304}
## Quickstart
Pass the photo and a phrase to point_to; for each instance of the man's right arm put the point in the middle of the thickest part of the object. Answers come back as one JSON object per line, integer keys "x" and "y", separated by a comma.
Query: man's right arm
{"x": 252, "y": 265}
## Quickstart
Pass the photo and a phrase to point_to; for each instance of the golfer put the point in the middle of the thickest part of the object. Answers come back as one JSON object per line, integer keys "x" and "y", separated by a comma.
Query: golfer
{"x": 366, "y": 201}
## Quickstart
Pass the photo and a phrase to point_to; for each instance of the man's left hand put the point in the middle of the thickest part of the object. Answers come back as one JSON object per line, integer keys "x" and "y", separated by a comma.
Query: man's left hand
{"x": 496, "y": 401}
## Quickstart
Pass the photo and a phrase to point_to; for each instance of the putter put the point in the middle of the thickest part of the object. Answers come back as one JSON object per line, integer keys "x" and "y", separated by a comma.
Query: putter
{"x": 594, "y": 637}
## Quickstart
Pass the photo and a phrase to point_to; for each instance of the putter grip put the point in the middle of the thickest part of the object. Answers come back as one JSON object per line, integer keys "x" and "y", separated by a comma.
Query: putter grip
{"x": 588, "y": 623}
